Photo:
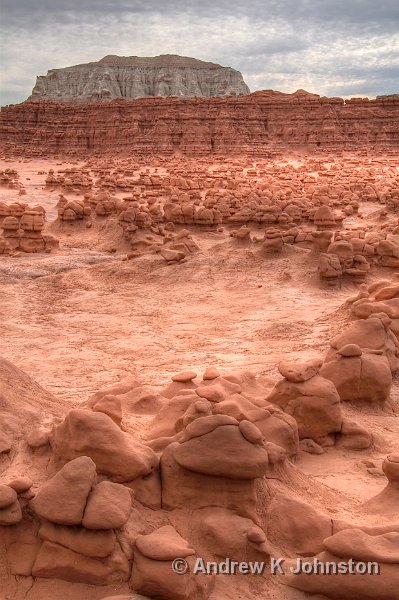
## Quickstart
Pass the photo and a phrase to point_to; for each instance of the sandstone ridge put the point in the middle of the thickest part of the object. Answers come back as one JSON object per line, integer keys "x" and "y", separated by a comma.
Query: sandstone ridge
{"x": 259, "y": 125}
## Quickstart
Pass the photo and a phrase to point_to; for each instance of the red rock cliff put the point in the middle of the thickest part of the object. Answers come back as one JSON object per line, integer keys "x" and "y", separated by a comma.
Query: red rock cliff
{"x": 256, "y": 125}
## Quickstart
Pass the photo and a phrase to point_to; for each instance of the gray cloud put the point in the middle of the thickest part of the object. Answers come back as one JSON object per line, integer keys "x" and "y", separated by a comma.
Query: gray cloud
{"x": 357, "y": 12}
{"x": 329, "y": 47}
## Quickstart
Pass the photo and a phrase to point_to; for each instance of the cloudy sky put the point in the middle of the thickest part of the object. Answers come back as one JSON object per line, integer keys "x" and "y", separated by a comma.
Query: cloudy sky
{"x": 330, "y": 47}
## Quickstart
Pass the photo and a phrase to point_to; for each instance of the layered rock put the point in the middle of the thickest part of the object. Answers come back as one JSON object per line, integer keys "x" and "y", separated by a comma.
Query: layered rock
{"x": 258, "y": 124}
{"x": 138, "y": 77}
{"x": 78, "y": 519}
{"x": 22, "y": 229}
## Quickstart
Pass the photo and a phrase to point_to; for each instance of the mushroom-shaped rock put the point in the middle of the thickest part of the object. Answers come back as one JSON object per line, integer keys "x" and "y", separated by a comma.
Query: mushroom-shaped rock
{"x": 359, "y": 378}
{"x": 223, "y": 452}
{"x": 329, "y": 267}
{"x": 373, "y": 333}
{"x": 273, "y": 241}
{"x": 387, "y": 501}
{"x": 343, "y": 250}
{"x": 314, "y": 404}
{"x": 324, "y": 217}
{"x": 390, "y": 466}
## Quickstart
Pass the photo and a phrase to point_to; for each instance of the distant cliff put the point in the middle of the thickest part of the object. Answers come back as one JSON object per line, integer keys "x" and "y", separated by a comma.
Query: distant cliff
{"x": 136, "y": 77}
{"x": 254, "y": 125}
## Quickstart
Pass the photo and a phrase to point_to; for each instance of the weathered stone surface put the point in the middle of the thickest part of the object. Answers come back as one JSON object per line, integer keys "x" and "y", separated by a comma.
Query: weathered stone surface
{"x": 299, "y": 372}
{"x": 62, "y": 499}
{"x": 223, "y": 452}
{"x": 7, "y": 496}
{"x": 199, "y": 126}
{"x": 137, "y": 77}
{"x": 108, "y": 506}
{"x": 11, "y": 515}
{"x": 314, "y": 404}
{"x": 163, "y": 544}
{"x": 95, "y": 434}
{"x": 357, "y": 544}
{"x": 97, "y": 544}
{"x": 58, "y": 562}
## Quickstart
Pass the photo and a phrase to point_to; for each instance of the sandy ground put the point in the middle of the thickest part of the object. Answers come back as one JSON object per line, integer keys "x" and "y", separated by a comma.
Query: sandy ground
{"x": 82, "y": 318}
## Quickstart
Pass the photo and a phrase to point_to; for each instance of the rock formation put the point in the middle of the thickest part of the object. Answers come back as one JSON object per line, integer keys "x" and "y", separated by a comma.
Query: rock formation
{"x": 137, "y": 77}
{"x": 171, "y": 436}
{"x": 260, "y": 124}
{"x": 22, "y": 228}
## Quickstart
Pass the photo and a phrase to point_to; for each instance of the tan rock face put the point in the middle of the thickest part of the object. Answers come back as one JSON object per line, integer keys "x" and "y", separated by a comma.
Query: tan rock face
{"x": 137, "y": 77}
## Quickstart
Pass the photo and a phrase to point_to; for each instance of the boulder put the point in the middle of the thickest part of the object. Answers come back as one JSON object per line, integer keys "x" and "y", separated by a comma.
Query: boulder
{"x": 62, "y": 499}
{"x": 366, "y": 377}
{"x": 314, "y": 404}
{"x": 95, "y": 434}
{"x": 108, "y": 506}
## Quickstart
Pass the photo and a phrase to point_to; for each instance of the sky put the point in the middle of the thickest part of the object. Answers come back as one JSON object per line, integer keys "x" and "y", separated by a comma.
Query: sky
{"x": 329, "y": 47}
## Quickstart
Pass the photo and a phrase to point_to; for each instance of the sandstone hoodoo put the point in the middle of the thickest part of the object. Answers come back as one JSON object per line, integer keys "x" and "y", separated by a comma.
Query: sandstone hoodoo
{"x": 137, "y": 77}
